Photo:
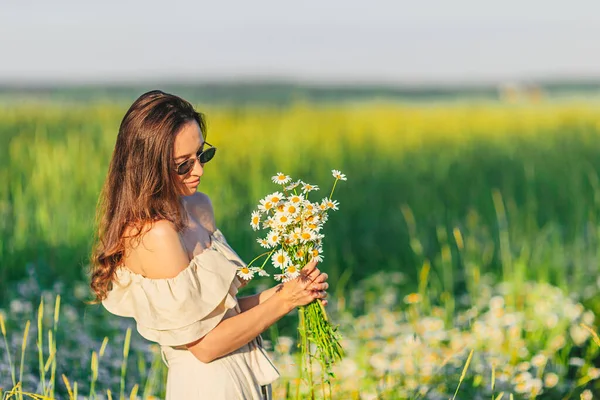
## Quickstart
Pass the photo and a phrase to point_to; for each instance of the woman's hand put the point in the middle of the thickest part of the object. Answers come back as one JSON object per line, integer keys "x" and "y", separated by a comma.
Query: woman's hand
{"x": 310, "y": 285}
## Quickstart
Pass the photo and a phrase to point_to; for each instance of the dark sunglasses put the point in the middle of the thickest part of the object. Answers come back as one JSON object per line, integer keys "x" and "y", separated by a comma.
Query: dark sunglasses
{"x": 203, "y": 157}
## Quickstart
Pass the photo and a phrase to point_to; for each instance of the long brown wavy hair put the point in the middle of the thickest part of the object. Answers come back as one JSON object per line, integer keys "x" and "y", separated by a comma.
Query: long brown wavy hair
{"x": 141, "y": 186}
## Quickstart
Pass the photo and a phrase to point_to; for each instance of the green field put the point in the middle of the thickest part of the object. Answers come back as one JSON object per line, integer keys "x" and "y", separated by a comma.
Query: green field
{"x": 478, "y": 221}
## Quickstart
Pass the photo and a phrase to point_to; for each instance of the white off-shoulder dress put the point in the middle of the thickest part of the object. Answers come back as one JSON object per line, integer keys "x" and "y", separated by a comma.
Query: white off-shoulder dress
{"x": 175, "y": 311}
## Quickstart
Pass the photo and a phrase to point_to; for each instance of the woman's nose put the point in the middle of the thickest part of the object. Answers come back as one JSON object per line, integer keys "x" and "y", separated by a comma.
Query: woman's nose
{"x": 198, "y": 169}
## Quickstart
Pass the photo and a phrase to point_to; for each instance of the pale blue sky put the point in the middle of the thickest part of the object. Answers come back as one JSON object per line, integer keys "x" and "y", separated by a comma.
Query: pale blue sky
{"x": 319, "y": 41}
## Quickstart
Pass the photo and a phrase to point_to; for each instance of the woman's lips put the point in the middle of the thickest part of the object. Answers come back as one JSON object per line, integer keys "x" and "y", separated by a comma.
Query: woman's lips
{"x": 194, "y": 183}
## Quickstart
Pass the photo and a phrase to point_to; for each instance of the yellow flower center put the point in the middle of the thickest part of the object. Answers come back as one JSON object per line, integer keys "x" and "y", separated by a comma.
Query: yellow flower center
{"x": 280, "y": 258}
{"x": 255, "y": 220}
{"x": 305, "y": 235}
{"x": 291, "y": 209}
{"x": 292, "y": 269}
{"x": 283, "y": 219}
{"x": 245, "y": 270}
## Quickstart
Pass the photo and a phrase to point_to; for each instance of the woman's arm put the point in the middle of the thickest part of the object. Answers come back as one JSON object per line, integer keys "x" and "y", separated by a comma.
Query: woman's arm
{"x": 234, "y": 332}
{"x": 248, "y": 302}
{"x": 160, "y": 255}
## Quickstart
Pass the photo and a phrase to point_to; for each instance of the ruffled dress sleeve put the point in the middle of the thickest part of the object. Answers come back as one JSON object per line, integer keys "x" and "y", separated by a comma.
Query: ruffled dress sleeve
{"x": 179, "y": 310}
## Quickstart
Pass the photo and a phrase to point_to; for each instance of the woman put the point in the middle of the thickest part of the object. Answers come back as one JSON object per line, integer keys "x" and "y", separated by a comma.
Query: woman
{"x": 160, "y": 259}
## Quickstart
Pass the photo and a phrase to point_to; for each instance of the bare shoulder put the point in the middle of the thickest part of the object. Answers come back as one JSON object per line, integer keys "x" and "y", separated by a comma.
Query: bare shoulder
{"x": 200, "y": 206}
{"x": 159, "y": 254}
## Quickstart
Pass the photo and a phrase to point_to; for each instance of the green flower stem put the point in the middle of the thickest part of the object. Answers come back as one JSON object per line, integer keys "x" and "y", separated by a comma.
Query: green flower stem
{"x": 333, "y": 188}
{"x": 259, "y": 256}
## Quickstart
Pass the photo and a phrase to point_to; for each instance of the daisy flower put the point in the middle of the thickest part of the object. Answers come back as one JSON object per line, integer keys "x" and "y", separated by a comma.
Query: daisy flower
{"x": 274, "y": 198}
{"x": 309, "y": 207}
{"x": 307, "y": 235}
{"x": 338, "y": 175}
{"x": 245, "y": 273}
{"x": 265, "y": 205}
{"x": 331, "y": 204}
{"x": 268, "y": 223}
{"x": 264, "y": 243}
{"x": 281, "y": 179}
{"x": 300, "y": 254}
{"x": 313, "y": 226}
{"x": 295, "y": 199}
{"x": 292, "y": 238}
{"x": 293, "y": 185}
{"x": 293, "y": 271}
{"x": 316, "y": 254}
{"x": 281, "y": 259}
{"x": 307, "y": 187}
{"x": 282, "y": 219}
{"x": 280, "y": 277}
{"x": 312, "y": 218}
{"x": 273, "y": 238}
{"x": 291, "y": 209}
{"x": 255, "y": 220}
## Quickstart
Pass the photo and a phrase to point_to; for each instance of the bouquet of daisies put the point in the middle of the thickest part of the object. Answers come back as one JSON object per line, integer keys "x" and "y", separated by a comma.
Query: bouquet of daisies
{"x": 294, "y": 238}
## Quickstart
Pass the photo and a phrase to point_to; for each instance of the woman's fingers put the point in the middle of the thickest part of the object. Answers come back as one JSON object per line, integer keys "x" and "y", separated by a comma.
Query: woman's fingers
{"x": 308, "y": 268}
{"x": 320, "y": 286}
{"x": 322, "y": 278}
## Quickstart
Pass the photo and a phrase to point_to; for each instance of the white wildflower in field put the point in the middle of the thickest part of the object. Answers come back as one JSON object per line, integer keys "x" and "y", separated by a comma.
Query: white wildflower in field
{"x": 550, "y": 380}
{"x": 578, "y": 334}
{"x": 593, "y": 373}
{"x": 539, "y": 360}
{"x": 587, "y": 395}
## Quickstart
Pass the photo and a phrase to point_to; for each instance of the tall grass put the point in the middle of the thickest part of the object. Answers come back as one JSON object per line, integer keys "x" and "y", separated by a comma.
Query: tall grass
{"x": 463, "y": 200}
{"x": 443, "y": 161}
